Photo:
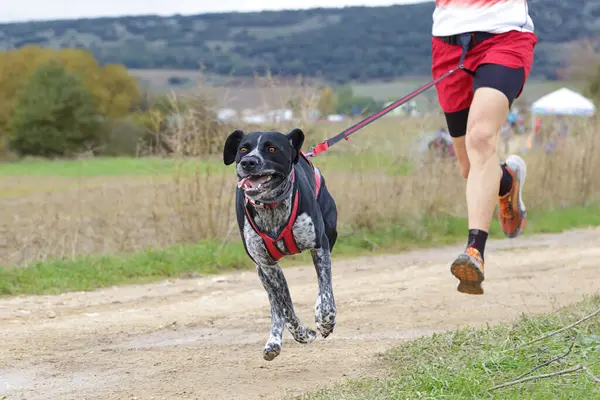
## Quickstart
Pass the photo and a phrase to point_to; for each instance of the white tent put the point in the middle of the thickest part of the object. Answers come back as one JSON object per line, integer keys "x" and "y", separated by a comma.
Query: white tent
{"x": 563, "y": 102}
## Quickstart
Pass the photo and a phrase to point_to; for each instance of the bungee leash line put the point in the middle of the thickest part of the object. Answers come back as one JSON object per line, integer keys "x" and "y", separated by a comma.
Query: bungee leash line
{"x": 465, "y": 41}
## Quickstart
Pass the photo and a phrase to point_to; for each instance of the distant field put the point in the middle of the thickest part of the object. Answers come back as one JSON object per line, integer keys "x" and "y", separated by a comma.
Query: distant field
{"x": 366, "y": 153}
{"x": 158, "y": 79}
{"x": 88, "y": 168}
{"x": 252, "y": 97}
{"x": 383, "y": 91}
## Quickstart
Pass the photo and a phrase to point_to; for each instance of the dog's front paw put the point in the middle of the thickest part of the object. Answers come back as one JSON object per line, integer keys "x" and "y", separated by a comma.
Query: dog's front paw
{"x": 304, "y": 335}
{"x": 307, "y": 336}
{"x": 325, "y": 314}
{"x": 325, "y": 328}
{"x": 326, "y": 324}
{"x": 271, "y": 351}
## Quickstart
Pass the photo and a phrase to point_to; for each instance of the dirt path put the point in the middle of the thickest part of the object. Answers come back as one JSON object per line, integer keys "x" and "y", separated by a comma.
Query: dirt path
{"x": 203, "y": 338}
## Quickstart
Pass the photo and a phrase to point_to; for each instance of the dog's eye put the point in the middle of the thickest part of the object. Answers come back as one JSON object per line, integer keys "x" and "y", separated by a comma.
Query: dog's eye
{"x": 271, "y": 149}
{"x": 243, "y": 149}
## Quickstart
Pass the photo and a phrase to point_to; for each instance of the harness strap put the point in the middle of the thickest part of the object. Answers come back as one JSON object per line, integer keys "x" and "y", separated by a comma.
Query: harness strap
{"x": 317, "y": 175}
{"x": 286, "y": 233}
{"x": 317, "y": 181}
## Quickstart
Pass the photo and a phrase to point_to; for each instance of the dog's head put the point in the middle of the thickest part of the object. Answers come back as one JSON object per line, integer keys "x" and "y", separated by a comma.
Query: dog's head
{"x": 264, "y": 160}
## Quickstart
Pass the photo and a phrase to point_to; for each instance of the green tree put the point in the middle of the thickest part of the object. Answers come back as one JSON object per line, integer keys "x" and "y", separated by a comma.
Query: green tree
{"x": 348, "y": 103}
{"x": 55, "y": 115}
{"x": 117, "y": 91}
{"x": 345, "y": 94}
{"x": 16, "y": 66}
{"x": 114, "y": 91}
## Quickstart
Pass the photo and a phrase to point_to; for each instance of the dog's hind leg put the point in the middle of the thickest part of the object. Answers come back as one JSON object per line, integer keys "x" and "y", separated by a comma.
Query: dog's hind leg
{"x": 276, "y": 286}
{"x": 325, "y": 311}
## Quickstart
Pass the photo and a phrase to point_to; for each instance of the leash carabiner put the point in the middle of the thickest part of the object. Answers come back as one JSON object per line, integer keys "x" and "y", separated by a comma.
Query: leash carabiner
{"x": 465, "y": 42}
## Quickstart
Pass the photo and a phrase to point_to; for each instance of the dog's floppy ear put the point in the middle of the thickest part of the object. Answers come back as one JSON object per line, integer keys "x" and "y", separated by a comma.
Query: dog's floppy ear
{"x": 231, "y": 146}
{"x": 296, "y": 140}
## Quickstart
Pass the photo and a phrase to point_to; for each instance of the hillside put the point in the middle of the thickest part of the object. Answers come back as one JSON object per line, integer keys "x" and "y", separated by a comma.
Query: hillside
{"x": 354, "y": 43}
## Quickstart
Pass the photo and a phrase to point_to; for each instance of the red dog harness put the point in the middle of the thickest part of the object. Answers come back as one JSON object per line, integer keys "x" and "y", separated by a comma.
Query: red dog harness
{"x": 286, "y": 233}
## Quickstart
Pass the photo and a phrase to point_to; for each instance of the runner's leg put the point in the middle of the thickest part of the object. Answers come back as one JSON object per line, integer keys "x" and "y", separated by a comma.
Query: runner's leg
{"x": 474, "y": 122}
{"x": 495, "y": 88}
{"x": 457, "y": 128}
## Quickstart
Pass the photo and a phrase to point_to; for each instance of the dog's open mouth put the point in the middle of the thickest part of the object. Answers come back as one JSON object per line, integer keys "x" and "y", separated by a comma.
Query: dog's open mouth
{"x": 254, "y": 183}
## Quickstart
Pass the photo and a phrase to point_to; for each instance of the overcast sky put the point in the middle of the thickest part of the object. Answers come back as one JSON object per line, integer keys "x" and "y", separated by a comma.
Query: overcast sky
{"x": 27, "y": 10}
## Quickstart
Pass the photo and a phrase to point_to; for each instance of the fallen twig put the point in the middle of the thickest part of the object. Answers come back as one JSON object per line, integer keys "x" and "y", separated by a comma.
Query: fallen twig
{"x": 574, "y": 324}
{"x": 578, "y": 367}
{"x": 557, "y": 358}
{"x": 587, "y": 371}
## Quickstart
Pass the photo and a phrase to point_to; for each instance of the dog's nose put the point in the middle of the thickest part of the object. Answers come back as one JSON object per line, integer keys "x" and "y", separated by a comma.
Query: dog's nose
{"x": 249, "y": 162}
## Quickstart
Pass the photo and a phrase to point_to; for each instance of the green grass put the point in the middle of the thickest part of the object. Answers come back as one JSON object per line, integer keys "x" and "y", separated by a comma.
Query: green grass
{"x": 94, "y": 167}
{"x": 87, "y": 273}
{"x": 125, "y": 166}
{"x": 465, "y": 364}
{"x": 384, "y": 164}
{"x": 209, "y": 257}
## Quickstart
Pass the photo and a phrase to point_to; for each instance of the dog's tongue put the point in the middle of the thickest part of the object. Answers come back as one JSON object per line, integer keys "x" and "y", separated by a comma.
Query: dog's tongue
{"x": 252, "y": 182}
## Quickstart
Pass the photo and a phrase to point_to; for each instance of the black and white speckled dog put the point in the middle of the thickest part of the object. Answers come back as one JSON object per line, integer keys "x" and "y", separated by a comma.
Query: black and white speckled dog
{"x": 283, "y": 207}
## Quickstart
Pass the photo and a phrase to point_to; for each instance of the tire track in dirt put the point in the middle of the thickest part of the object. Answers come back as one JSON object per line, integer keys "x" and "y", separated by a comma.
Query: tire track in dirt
{"x": 203, "y": 338}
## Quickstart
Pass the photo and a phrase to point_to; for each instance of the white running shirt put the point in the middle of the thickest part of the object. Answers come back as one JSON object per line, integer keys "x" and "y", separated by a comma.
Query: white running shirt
{"x": 452, "y": 17}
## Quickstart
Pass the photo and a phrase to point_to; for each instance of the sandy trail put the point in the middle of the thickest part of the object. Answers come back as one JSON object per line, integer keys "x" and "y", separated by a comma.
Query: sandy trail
{"x": 203, "y": 338}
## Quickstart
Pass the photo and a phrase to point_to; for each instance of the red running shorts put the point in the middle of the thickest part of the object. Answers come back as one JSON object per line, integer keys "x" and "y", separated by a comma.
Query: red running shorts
{"x": 512, "y": 49}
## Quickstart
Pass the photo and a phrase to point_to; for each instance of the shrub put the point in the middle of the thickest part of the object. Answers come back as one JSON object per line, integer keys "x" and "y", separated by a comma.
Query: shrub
{"x": 55, "y": 115}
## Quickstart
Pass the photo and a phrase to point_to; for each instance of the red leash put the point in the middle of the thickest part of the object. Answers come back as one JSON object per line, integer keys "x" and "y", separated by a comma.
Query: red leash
{"x": 465, "y": 40}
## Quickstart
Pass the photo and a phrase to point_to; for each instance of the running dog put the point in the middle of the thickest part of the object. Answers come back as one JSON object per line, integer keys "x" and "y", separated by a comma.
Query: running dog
{"x": 283, "y": 207}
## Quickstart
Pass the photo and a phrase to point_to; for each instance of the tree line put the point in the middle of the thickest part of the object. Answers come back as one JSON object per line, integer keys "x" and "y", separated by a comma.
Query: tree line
{"x": 341, "y": 45}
